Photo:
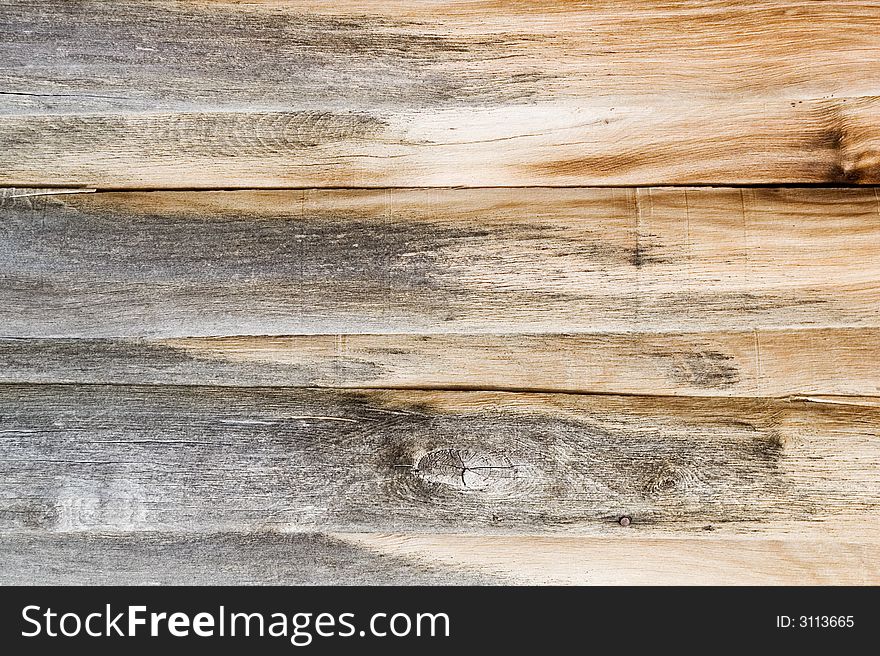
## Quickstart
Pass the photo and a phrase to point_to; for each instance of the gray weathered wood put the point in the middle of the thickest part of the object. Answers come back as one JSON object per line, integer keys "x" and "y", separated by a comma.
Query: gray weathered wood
{"x": 138, "y": 94}
{"x": 76, "y": 458}
{"x": 215, "y": 559}
{"x": 437, "y": 261}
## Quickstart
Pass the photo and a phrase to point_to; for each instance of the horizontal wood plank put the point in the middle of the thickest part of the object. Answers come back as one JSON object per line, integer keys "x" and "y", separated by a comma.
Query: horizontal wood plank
{"x": 839, "y": 361}
{"x": 498, "y": 261}
{"x": 376, "y": 559}
{"x": 75, "y": 458}
{"x": 753, "y": 142}
{"x": 217, "y": 94}
{"x": 555, "y": 560}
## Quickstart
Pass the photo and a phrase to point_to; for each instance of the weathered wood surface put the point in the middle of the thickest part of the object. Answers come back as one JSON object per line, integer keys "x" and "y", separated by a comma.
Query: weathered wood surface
{"x": 134, "y": 94}
{"x": 124, "y": 458}
{"x": 547, "y": 261}
{"x": 433, "y": 385}
{"x": 554, "y": 560}
{"x": 838, "y": 361}
{"x": 377, "y": 559}
{"x": 217, "y": 559}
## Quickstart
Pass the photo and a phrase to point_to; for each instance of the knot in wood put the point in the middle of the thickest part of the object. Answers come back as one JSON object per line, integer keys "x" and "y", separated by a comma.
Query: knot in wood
{"x": 667, "y": 478}
{"x": 465, "y": 469}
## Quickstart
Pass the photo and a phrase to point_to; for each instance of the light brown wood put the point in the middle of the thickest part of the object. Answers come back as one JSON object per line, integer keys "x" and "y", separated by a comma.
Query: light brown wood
{"x": 767, "y": 363}
{"x": 217, "y": 94}
{"x": 619, "y": 561}
{"x": 825, "y": 361}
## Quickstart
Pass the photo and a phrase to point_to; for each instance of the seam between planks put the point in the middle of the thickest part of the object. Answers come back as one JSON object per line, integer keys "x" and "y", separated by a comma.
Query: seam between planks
{"x": 66, "y": 189}
{"x": 859, "y": 400}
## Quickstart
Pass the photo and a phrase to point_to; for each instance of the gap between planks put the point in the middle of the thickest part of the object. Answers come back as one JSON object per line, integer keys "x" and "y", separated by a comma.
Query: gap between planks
{"x": 77, "y": 189}
{"x": 827, "y": 399}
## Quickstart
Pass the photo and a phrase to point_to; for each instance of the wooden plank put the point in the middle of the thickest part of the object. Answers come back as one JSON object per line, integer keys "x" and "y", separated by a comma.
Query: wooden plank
{"x": 219, "y": 94}
{"x": 122, "y": 458}
{"x": 213, "y": 559}
{"x": 755, "y": 142}
{"x": 499, "y": 261}
{"x": 555, "y": 560}
{"x": 838, "y": 361}
{"x": 376, "y": 559}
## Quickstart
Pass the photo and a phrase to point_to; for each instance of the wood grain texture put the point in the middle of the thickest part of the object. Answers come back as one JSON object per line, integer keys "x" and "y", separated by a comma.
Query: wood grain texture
{"x": 554, "y": 560}
{"x": 139, "y": 94}
{"x": 497, "y": 261}
{"x": 124, "y": 458}
{"x": 400, "y": 381}
{"x": 215, "y": 559}
{"x": 839, "y": 361}
{"x": 377, "y": 559}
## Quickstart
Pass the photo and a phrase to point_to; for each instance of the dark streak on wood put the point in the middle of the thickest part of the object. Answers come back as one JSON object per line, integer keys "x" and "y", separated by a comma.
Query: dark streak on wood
{"x": 704, "y": 368}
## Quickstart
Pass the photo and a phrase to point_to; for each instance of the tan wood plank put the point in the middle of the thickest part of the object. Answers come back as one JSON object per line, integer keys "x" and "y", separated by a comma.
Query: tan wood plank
{"x": 834, "y": 361}
{"x": 554, "y": 560}
{"x": 381, "y": 559}
{"x": 125, "y": 458}
{"x": 135, "y": 94}
{"x": 497, "y": 261}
